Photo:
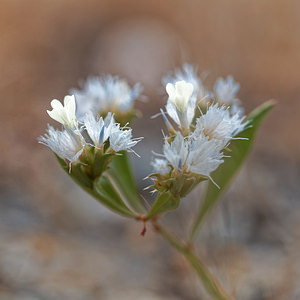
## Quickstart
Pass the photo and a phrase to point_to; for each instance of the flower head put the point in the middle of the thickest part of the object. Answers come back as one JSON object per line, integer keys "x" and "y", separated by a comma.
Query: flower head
{"x": 198, "y": 155}
{"x": 67, "y": 143}
{"x": 99, "y": 131}
{"x": 176, "y": 152}
{"x": 204, "y": 155}
{"x": 160, "y": 166}
{"x": 180, "y": 106}
{"x": 121, "y": 138}
{"x": 218, "y": 123}
{"x": 64, "y": 114}
{"x": 226, "y": 91}
{"x": 180, "y": 94}
{"x": 188, "y": 73}
{"x": 103, "y": 94}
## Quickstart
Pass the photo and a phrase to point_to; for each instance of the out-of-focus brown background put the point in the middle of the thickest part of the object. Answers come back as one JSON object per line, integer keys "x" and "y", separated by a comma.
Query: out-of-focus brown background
{"x": 58, "y": 243}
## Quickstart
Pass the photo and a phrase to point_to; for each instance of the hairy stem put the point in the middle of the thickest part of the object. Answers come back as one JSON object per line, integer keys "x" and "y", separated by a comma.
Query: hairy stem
{"x": 211, "y": 284}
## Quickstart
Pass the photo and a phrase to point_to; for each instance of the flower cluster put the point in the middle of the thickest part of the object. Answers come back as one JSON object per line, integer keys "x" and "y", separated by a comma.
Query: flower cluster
{"x": 201, "y": 124}
{"x": 193, "y": 151}
{"x": 106, "y": 94}
{"x": 79, "y": 140}
{"x": 224, "y": 91}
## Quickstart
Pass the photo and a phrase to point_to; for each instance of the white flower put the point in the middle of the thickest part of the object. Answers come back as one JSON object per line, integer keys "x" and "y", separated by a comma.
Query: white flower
{"x": 107, "y": 93}
{"x": 67, "y": 143}
{"x": 64, "y": 114}
{"x": 204, "y": 155}
{"x": 218, "y": 123}
{"x": 121, "y": 138}
{"x": 188, "y": 73}
{"x": 180, "y": 106}
{"x": 102, "y": 130}
{"x": 226, "y": 91}
{"x": 180, "y": 94}
{"x": 198, "y": 155}
{"x": 99, "y": 131}
{"x": 235, "y": 108}
{"x": 160, "y": 166}
{"x": 176, "y": 152}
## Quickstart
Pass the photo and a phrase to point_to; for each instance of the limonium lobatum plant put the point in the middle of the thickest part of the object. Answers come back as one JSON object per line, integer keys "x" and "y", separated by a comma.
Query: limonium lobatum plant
{"x": 207, "y": 139}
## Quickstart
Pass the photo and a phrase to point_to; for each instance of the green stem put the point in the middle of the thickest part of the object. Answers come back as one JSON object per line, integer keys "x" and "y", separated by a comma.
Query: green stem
{"x": 211, "y": 284}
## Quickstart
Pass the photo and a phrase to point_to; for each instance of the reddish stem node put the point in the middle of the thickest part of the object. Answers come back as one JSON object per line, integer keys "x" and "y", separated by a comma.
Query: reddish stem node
{"x": 144, "y": 228}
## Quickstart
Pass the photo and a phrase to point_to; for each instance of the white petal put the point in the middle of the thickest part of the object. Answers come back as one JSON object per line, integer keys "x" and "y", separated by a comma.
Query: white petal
{"x": 64, "y": 114}
{"x": 69, "y": 103}
{"x": 94, "y": 129}
{"x": 171, "y": 110}
{"x": 171, "y": 91}
{"x": 55, "y": 115}
{"x": 56, "y": 104}
{"x": 184, "y": 89}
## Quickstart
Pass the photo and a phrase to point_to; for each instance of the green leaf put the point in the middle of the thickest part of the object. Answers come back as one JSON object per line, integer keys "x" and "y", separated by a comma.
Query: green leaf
{"x": 109, "y": 195}
{"x": 227, "y": 171}
{"x": 163, "y": 203}
{"x": 123, "y": 177}
{"x": 102, "y": 188}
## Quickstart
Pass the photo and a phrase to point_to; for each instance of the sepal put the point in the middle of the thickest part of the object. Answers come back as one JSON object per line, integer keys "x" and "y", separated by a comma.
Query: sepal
{"x": 101, "y": 161}
{"x": 163, "y": 203}
{"x": 171, "y": 190}
{"x": 178, "y": 183}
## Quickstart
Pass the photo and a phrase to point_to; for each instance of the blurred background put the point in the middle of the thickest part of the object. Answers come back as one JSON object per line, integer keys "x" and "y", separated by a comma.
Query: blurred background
{"x": 56, "y": 242}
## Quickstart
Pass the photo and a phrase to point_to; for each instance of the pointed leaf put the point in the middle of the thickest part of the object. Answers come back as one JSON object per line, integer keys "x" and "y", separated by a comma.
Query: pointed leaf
{"x": 109, "y": 195}
{"x": 121, "y": 172}
{"x": 101, "y": 189}
{"x": 227, "y": 171}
